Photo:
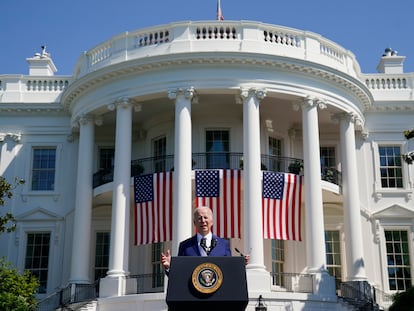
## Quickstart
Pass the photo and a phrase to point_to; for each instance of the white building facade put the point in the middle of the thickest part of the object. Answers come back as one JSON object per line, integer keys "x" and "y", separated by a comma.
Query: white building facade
{"x": 221, "y": 95}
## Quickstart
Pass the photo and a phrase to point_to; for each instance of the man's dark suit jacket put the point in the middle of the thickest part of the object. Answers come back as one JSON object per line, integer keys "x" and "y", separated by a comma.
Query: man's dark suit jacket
{"x": 189, "y": 247}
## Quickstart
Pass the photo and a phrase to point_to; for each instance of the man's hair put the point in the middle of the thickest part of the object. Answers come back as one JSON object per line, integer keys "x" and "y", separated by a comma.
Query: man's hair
{"x": 195, "y": 212}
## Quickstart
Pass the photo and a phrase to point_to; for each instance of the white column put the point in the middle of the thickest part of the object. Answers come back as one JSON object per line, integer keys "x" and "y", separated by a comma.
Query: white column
{"x": 315, "y": 232}
{"x": 350, "y": 189}
{"x": 81, "y": 248}
{"x": 116, "y": 282}
{"x": 182, "y": 204}
{"x": 119, "y": 246}
{"x": 257, "y": 276}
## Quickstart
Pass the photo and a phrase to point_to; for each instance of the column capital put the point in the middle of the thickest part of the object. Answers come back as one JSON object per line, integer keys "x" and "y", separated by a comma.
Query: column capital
{"x": 252, "y": 92}
{"x": 309, "y": 102}
{"x": 187, "y": 93}
{"x": 84, "y": 119}
{"x": 354, "y": 119}
{"x": 351, "y": 117}
{"x": 121, "y": 102}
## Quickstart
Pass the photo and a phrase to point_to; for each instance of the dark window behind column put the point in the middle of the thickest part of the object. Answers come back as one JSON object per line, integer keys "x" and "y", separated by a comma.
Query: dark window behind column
{"x": 159, "y": 146}
{"x": 217, "y": 148}
{"x": 101, "y": 254}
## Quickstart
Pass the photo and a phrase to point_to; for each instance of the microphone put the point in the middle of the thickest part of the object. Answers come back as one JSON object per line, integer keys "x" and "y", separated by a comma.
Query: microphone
{"x": 237, "y": 250}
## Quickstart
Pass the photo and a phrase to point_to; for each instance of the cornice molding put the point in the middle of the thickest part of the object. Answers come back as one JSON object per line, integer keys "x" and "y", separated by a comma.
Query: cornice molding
{"x": 80, "y": 86}
{"x": 32, "y": 108}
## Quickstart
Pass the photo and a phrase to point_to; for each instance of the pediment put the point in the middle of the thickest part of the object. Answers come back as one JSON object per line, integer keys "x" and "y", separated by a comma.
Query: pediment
{"x": 394, "y": 211}
{"x": 38, "y": 214}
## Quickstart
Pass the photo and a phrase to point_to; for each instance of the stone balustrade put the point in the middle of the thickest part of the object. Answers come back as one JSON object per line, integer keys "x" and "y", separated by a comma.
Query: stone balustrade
{"x": 220, "y": 36}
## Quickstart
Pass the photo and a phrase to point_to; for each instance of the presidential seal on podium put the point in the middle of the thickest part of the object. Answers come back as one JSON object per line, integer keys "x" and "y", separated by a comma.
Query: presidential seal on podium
{"x": 207, "y": 278}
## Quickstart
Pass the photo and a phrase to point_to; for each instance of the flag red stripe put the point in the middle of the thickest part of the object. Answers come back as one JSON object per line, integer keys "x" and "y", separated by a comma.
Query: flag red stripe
{"x": 170, "y": 211}
{"x": 226, "y": 196}
{"x": 226, "y": 207}
{"x": 154, "y": 214}
{"x": 153, "y": 219}
{"x": 299, "y": 203}
{"x": 293, "y": 214}
{"x": 281, "y": 218}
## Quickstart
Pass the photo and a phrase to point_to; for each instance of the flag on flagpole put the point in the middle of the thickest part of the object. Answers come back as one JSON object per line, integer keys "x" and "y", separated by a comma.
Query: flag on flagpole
{"x": 220, "y": 16}
{"x": 153, "y": 208}
{"x": 281, "y": 206}
{"x": 221, "y": 191}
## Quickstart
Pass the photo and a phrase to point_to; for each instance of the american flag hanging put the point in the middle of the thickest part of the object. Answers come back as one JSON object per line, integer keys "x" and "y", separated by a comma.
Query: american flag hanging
{"x": 281, "y": 203}
{"x": 221, "y": 191}
{"x": 153, "y": 208}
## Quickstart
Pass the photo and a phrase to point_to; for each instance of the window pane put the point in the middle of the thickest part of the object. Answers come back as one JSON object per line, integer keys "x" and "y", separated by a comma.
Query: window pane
{"x": 278, "y": 262}
{"x": 217, "y": 148}
{"x": 37, "y": 257}
{"x": 159, "y": 153}
{"x": 157, "y": 270}
{"x": 101, "y": 254}
{"x": 333, "y": 253}
{"x": 106, "y": 158}
{"x": 43, "y": 170}
{"x": 390, "y": 166}
{"x": 398, "y": 260}
{"x": 275, "y": 151}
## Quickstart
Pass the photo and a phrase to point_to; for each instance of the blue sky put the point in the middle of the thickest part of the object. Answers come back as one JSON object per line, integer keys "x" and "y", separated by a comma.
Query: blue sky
{"x": 67, "y": 28}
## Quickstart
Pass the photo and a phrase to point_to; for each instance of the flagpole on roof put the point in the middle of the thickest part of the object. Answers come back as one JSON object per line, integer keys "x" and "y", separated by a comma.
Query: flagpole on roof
{"x": 220, "y": 16}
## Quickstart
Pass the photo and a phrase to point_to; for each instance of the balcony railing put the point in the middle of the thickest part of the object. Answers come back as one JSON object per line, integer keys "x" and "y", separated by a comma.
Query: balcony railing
{"x": 216, "y": 160}
{"x": 292, "y": 282}
{"x": 212, "y": 160}
{"x": 70, "y": 295}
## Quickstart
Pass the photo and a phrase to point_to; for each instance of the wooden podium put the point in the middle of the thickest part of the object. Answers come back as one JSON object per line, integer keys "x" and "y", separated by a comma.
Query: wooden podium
{"x": 205, "y": 283}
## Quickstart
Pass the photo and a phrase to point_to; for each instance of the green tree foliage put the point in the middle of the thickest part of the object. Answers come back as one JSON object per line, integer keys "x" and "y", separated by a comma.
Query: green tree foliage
{"x": 7, "y": 221}
{"x": 403, "y": 301}
{"x": 17, "y": 291}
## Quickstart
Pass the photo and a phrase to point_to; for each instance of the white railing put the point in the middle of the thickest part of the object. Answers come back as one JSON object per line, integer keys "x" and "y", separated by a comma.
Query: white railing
{"x": 387, "y": 82}
{"x": 225, "y": 36}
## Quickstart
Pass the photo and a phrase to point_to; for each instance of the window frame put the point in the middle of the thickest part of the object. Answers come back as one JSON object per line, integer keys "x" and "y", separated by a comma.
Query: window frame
{"x": 95, "y": 249}
{"x": 341, "y": 252}
{"x": 160, "y": 162}
{"x": 215, "y": 164}
{"x": 34, "y": 169}
{"x": 48, "y": 256}
{"x": 387, "y": 226}
{"x": 392, "y": 224}
{"x": 27, "y": 187}
{"x": 379, "y": 191}
{"x": 274, "y": 246}
{"x": 335, "y": 150}
{"x": 46, "y": 225}
{"x": 157, "y": 269}
{"x": 275, "y": 165}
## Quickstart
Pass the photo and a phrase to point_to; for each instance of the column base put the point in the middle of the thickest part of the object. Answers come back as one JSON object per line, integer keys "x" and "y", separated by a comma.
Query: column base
{"x": 258, "y": 280}
{"x": 117, "y": 286}
{"x": 324, "y": 285}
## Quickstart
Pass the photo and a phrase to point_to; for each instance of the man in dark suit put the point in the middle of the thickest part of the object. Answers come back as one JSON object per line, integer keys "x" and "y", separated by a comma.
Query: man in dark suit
{"x": 204, "y": 243}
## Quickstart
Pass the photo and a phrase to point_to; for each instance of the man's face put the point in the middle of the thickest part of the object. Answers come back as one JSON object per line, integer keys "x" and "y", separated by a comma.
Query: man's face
{"x": 203, "y": 221}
